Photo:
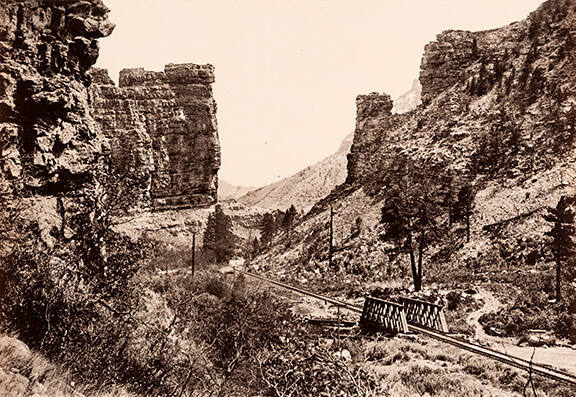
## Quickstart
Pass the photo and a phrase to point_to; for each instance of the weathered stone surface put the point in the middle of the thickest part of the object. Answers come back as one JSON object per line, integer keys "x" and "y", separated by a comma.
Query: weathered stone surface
{"x": 163, "y": 131}
{"x": 517, "y": 80}
{"x": 16, "y": 350}
{"x": 13, "y": 384}
{"x": 47, "y": 136}
{"x": 373, "y": 113}
{"x": 499, "y": 113}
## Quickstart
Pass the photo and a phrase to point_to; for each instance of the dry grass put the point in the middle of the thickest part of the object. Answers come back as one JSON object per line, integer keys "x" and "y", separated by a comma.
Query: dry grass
{"x": 402, "y": 367}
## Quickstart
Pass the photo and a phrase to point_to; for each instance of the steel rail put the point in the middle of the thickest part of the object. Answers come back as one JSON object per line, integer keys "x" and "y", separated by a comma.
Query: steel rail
{"x": 474, "y": 348}
{"x": 304, "y": 292}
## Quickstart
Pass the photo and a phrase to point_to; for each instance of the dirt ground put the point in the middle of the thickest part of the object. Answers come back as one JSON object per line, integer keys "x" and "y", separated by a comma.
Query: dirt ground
{"x": 560, "y": 357}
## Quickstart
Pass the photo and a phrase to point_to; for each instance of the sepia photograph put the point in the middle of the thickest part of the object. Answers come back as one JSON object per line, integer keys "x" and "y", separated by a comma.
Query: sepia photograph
{"x": 287, "y": 198}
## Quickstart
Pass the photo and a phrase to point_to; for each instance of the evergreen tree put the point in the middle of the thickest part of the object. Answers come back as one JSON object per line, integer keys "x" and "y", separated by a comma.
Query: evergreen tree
{"x": 356, "y": 228}
{"x": 289, "y": 218}
{"x": 288, "y": 222}
{"x": 255, "y": 247}
{"x": 563, "y": 234}
{"x": 278, "y": 220}
{"x": 268, "y": 229}
{"x": 219, "y": 241}
{"x": 410, "y": 221}
{"x": 463, "y": 207}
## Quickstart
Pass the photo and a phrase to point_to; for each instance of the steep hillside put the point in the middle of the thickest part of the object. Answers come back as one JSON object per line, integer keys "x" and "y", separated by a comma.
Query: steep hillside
{"x": 315, "y": 182}
{"x": 499, "y": 119}
{"x": 304, "y": 188}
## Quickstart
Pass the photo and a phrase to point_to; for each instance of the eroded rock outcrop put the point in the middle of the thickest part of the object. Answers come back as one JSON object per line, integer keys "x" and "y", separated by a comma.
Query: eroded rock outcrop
{"x": 509, "y": 89}
{"x": 373, "y": 115}
{"x": 49, "y": 141}
{"x": 50, "y": 149}
{"x": 163, "y": 132}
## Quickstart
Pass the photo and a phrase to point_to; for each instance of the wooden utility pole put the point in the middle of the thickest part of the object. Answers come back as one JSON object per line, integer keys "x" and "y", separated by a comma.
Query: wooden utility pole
{"x": 193, "y": 252}
{"x": 331, "y": 234}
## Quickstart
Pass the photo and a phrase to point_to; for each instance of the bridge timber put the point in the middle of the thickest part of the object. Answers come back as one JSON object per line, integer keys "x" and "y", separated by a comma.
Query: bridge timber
{"x": 425, "y": 314}
{"x": 379, "y": 314}
{"x": 442, "y": 337}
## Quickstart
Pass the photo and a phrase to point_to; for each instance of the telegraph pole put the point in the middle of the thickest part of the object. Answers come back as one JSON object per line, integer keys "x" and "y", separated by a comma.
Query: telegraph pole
{"x": 193, "y": 252}
{"x": 331, "y": 234}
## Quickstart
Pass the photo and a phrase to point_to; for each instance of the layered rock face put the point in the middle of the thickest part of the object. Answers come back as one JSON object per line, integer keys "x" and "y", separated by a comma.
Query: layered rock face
{"x": 50, "y": 148}
{"x": 163, "y": 132}
{"x": 510, "y": 88}
{"x": 373, "y": 115}
{"x": 47, "y": 136}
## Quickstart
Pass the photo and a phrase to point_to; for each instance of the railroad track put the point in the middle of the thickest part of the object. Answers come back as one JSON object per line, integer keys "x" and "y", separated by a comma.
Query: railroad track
{"x": 474, "y": 348}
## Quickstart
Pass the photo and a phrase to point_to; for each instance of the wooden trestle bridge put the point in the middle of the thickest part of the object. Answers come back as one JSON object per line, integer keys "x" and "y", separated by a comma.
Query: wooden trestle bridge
{"x": 416, "y": 316}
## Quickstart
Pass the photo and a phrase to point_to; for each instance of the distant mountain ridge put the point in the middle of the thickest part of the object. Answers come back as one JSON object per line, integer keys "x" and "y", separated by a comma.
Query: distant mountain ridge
{"x": 410, "y": 100}
{"x": 227, "y": 191}
{"x": 304, "y": 188}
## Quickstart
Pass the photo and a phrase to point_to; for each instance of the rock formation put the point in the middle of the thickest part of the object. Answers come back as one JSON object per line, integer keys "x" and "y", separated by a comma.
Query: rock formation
{"x": 50, "y": 148}
{"x": 163, "y": 132}
{"x": 498, "y": 113}
{"x": 49, "y": 141}
{"x": 505, "y": 87}
{"x": 373, "y": 115}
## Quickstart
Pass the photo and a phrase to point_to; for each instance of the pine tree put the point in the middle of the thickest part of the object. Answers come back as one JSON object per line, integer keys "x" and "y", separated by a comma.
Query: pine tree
{"x": 288, "y": 222}
{"x": 463, "y": 207}
{"x": 268, "y": 229}
{"x": 255, "y": 247}
{"x": 409, "y": 217}
{"x": 219, "y": 241}
{"x": 356, "y": 228}
{"x": 289, "y": 218}
{"x": 563, "y": 235}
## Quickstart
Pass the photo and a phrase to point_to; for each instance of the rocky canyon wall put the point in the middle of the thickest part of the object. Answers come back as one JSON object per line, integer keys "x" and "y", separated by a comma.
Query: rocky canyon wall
{"x": 163, "y": 133}
{"x": 48, "y": 138}
{"x": 509, "y": 90}
{"x": 497, "y": 127}
{"x": 62, "y": 124}
{"x": 50, "y": 149}
{"x": 373, "y": 116}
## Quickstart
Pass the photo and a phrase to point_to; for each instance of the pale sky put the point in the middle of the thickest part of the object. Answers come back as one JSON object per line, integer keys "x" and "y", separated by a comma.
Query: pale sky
{"x": 288, "y": 72}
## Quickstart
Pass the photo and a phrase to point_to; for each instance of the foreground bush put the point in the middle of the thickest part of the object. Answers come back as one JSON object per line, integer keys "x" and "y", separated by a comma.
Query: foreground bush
{"x": 95, "y": 306}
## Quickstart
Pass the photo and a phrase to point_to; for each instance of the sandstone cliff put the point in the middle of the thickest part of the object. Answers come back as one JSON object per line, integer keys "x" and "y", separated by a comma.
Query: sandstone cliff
{"x": 498, "y": 112}
{"x": 48, "y": 137}
{"x": 517, "y": 81}
{"x": 163, "y": 132}
{"x": 49, "y": 143}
